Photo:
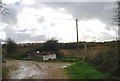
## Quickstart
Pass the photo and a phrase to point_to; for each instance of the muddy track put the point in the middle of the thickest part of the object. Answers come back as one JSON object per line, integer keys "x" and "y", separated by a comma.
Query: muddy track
{"x": 37, "y": 70}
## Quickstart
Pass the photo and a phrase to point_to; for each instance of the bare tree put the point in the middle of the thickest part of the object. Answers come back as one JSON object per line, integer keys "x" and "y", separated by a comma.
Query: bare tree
{"x": 3, "y": 8}
{"x": 116, "y": 17}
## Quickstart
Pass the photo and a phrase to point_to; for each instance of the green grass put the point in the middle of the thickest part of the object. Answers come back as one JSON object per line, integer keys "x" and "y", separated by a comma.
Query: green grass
{"x": 83, "y": 71}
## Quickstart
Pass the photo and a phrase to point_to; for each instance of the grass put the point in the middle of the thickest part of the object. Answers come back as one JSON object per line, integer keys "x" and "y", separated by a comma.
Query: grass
{"x": 5, "y": 72}
{"x": 6, "y": 69}
{"x": 13, "y": 67}
{"x": 83, "y": 71}
{"x": 57, "y": 60}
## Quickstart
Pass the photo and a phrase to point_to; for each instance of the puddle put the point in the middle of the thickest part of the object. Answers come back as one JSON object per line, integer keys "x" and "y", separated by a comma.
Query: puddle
{"x": 27, "y": 71}
{"x": 64, "y": 66}
{"x": 37, "y": 70}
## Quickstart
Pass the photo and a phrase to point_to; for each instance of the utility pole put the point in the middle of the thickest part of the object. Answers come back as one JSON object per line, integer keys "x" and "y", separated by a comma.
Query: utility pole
{"x": 77, "y": 34}
{"x": 0, "y": 60}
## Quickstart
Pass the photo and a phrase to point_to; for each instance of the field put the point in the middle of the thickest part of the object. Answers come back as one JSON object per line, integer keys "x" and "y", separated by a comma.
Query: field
{"x": 100, "y": 59}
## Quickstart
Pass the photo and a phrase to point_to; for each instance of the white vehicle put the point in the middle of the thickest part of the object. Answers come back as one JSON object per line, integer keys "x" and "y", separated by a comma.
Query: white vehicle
{"x": 49, "y": 57}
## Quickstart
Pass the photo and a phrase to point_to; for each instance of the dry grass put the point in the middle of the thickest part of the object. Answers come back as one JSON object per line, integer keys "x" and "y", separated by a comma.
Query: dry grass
{"x": 91, "y": 52}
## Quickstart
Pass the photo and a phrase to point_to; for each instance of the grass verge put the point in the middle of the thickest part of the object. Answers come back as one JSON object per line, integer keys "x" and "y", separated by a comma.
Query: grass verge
{"x": 83, "y": 71}
{"x": 5, "y": 72}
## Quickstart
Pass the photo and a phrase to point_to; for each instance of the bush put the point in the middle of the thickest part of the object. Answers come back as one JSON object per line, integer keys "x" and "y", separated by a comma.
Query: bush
{"x": 11, "y": 46}
{"x": 59, "y": 55}
{"x": 107, "y": 60}
{"x": 50, "y": 46}
{"x": 18, "y": 56}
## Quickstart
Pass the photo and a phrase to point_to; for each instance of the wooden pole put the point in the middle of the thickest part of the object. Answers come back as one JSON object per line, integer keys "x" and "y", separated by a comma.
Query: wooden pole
{"x": 0, "y": 60}
{"x": 77, "y": 34}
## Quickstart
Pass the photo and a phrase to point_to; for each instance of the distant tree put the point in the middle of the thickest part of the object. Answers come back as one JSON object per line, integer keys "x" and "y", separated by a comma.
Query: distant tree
{"x": 11, "y": 46}
{"x": 117, "y": 13}
{"x": 51, "y": 45}
{"x": 116, "y": 20}
{"x": 3, "y": 8}
{"x": 116, "y": 17}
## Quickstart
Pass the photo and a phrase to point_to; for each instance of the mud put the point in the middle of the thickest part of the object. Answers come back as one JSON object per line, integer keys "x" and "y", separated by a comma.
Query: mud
{"x": 37, "y": 70}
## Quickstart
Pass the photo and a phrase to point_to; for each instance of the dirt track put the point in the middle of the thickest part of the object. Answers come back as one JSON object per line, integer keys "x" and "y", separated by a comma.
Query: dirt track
{"x": 37, "y": 70}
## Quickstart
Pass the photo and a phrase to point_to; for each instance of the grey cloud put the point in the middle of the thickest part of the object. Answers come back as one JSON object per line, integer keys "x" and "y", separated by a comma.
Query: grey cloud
{"x": 24, "y": 30}
{"x": 13, "y": 10}
{"x": 106, "y": 36}
{"x": 41, "y": 20}
{"x": 18, "y": 35}
{"x": 87, "y": 10}
{"x": 52, "y": 24}
{"x": 22, "y": 36}
{"x": 37, "y": 5}
{"x": 9, "y": 31}
{"x": 80, "y": 10}
{"x": 45, "y": 27}
{"x": 104, "y": 11}
{"x": 38, "y": 38}
{"x": 11, "y": 17}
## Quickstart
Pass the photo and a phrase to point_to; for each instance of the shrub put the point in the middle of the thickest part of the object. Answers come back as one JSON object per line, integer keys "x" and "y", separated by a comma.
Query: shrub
{"x": 11, "y": 46}
{"x": 107, "y": 60}
{"x": 18, "y": 56}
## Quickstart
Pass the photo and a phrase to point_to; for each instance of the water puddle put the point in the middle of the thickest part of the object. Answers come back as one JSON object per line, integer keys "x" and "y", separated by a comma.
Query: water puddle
{"x": 28, "y": 71}
{"x": 37, "y": 70}
{"x": 65, "y": 66}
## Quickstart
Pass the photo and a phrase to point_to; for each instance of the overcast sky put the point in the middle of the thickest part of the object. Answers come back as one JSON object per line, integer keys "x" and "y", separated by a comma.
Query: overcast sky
{"x": 35, "y": 21}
